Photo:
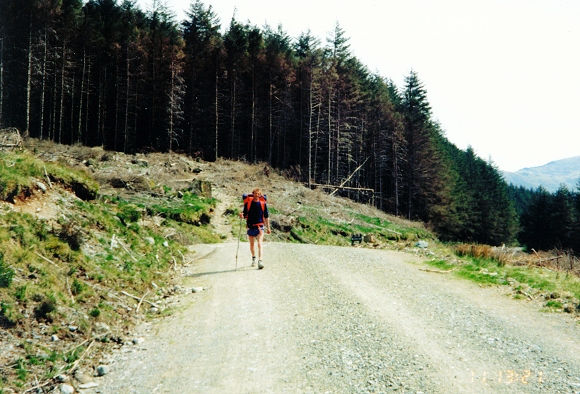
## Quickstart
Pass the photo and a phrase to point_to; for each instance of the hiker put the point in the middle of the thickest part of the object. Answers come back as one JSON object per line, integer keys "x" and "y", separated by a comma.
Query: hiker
{"x": 256, "y": 215}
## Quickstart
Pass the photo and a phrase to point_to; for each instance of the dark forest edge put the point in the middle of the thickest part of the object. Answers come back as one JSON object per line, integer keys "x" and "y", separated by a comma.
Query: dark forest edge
{"x": 107, "y": 74}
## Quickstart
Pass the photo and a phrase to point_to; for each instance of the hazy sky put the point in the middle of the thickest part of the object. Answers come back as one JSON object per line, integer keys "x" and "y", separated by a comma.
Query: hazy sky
{"x": 501, "y": 75}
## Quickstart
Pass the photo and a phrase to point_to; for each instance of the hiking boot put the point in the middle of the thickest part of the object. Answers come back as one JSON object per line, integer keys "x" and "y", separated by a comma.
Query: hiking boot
{"x": 253, "y": 261}
{"x": 260, "y": 264}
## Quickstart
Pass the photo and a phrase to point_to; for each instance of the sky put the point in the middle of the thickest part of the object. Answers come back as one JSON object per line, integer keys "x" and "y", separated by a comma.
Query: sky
{"x": 502, "y": 76}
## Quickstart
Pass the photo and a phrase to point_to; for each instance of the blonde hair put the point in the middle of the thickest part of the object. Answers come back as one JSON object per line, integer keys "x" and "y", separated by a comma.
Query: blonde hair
{"x": 256, "y": 190}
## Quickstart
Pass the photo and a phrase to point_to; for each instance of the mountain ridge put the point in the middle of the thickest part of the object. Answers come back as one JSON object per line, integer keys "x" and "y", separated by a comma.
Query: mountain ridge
{"x": 550, "y": 175}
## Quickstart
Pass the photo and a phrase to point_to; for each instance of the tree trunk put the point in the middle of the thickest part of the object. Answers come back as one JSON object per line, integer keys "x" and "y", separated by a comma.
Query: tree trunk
{"x": 171, "y": 107}
{"x": 310, "y": 132}
{"x": 72, "y": 108}
{"x": 318, "y": 118}
{"x": 233, "y": 113}
{"x": 396, "y": 175}
{"x": 337, "y": 169}
{"x": 88, "y": 90}
{"x": 127, "y": 86}
{"x": 43, "y": 87}
{"x": 1, "y": 81}
{"x": 61, "y": 107}
{"x": 270, "y": 120}
{"x": 329, "y": 141}
{"x": 253, "y": 118}
{"x": 80, "y": 116}
{"x": 28, "y": 79}
{"x": 216, "y": 110}
{"x": 52, "y": 117}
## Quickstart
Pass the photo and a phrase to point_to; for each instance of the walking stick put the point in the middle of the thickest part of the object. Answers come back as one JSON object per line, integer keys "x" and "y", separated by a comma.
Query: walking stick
{"x": 238, "y": 248}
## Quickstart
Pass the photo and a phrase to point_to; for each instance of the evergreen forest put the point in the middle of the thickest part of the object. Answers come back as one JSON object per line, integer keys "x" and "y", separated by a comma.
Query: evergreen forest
{"x": 104, "y": 72}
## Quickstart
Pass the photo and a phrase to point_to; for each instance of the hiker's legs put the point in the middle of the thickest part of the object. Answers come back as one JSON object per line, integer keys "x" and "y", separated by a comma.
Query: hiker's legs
{"x": 260, "y": 237}
{"x": 252, "y": 250}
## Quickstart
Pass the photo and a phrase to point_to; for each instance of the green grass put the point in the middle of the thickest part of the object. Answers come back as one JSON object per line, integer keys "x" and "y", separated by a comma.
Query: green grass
{"x": 19, "y": 173}
{"x": 312, "y": 227}
{"x": 489, "y": 271}
{"x": 554, "y": 304}
{"x": 440, "y": 264}
{"x": 64, "y": 270}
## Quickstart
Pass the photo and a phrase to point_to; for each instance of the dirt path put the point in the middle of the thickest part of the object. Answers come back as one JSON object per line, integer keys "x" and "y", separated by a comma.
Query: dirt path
{"x": 328, "y": 319}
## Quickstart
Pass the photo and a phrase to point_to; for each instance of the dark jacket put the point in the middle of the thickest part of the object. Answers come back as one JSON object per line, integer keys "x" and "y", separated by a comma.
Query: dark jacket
{"x": 255, "y": 216}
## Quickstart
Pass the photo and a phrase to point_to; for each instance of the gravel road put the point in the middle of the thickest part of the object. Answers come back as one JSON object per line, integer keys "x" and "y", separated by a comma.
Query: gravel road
{"x": 342, "y": 320}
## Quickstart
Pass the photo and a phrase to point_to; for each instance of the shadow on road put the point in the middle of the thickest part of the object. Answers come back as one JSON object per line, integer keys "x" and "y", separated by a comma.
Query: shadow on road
{"x": 197, "y": 275}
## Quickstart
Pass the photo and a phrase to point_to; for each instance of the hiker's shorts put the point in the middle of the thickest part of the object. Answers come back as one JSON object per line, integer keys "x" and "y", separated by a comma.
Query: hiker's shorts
{"x": 254, "y": 231}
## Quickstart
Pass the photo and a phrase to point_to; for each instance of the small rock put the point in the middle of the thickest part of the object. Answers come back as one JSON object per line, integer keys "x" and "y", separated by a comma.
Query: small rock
{"x": 89, "y": 385}
{"x": 101, "y": 328}
{"x": 41, "y": 186}
{"x": 140, "y": 162}
{"x": 73, "y": 328}
{"x": 150, "y": 240}
{"x": 102, "y": 370}
{"x": 422, "y": 244}
{"x": 166, "y": 244}
{"x": 197, "y": 289}
{"x": 82, "y": 377}
{"x": 138, "y": 341}
{"x": 62, "y": 378}
{"x": 66, "y": 389}
{"x": 154, "y": 309}
{"x": 54, "y": 338}
{"x": 568, "y": 309}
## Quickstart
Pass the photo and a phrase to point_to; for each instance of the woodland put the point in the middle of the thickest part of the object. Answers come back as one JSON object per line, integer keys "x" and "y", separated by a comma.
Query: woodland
{"x": 106, "y": 73}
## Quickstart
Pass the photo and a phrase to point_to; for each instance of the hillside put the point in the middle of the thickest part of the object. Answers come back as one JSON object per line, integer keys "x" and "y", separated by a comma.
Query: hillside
{"x": 92, "y": 242}
{"x": 550, "y": 176}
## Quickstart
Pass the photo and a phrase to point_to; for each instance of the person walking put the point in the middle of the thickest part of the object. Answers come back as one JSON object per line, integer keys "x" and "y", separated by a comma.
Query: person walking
{"x": 256, "y": 215}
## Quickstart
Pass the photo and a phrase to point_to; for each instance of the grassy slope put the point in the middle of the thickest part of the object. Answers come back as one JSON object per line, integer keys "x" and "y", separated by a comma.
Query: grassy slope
{"x": 71, "y": 270}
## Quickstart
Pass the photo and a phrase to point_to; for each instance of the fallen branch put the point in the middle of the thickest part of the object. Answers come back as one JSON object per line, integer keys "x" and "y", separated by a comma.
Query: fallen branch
{"x": 350, "y": 176}
{"x": 38, "y": 386}
{"x": 77, "y": 362}
{"x": 47, "y": 260}
{"x": 436, "y": 271}
{"x": 126, "y": 250}
{"x": 141, "y": 301}
{"x": 47, "y": 177}
{"x": 137, "y": 298}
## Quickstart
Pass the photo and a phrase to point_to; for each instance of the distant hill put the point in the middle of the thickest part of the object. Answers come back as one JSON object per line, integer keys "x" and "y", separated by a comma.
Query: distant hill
{"x": 550, "y": 176}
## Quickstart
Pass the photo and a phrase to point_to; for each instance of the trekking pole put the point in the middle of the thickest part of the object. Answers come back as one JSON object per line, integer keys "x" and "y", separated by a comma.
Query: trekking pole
{"x": 238, "y": 248}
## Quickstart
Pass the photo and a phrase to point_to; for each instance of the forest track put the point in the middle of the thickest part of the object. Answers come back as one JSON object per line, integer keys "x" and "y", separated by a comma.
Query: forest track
{"x": 335, "y": 319}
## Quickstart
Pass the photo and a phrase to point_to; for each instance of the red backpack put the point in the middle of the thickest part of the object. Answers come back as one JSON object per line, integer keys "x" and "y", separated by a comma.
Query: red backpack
{"x": 248, "y": 198}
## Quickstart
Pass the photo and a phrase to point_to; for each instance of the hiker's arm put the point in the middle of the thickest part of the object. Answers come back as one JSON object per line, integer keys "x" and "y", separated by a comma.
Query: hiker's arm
{"x": 244, "y": 213}
{"x": 266, "y": 219}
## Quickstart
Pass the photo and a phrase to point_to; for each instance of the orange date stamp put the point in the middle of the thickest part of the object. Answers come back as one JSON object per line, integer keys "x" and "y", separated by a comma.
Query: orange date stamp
{"x": 509, "y": 377}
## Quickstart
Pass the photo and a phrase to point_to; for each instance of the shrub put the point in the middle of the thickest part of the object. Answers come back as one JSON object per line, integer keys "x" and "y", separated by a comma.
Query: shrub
{"x": 6, "y": 273}
{"x": 8, "y": 317}
{"x": 72, "y": 234}
{"x": 45, "y": 308}
{"x": 474, "y": 250}
{"x": 77, "y": 287}
{"x": 95, "y": 312}
{"x": 20, "y": 293}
